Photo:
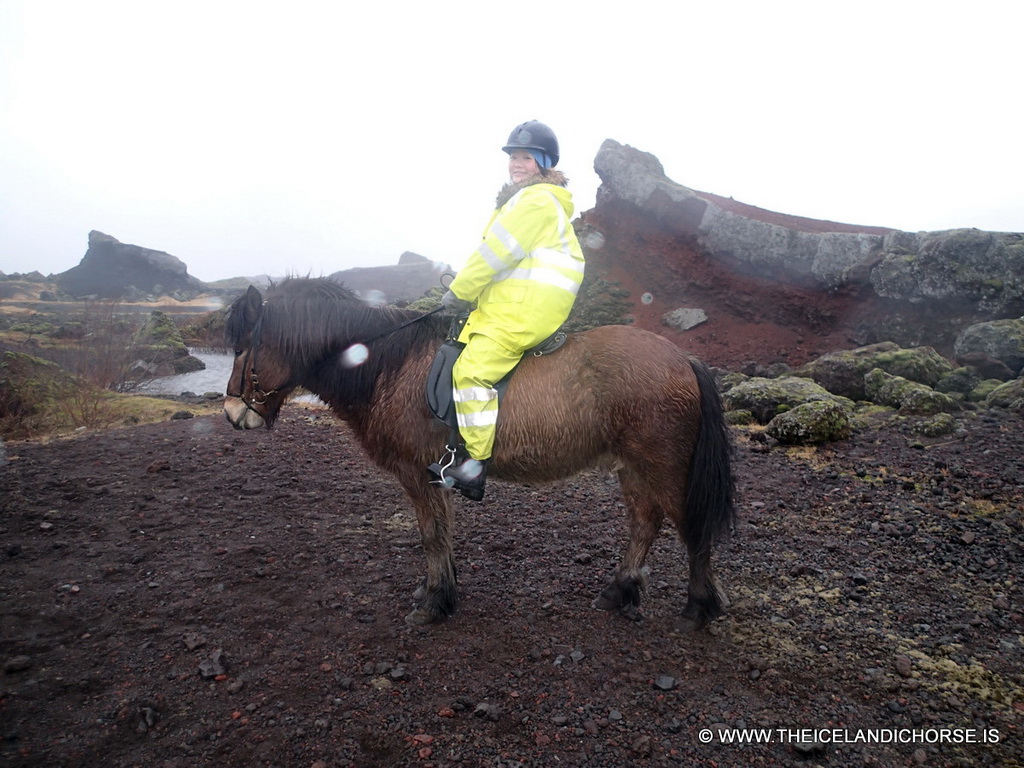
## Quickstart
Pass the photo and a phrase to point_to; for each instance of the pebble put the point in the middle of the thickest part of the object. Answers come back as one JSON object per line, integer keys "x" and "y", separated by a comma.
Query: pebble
{"x": 808, "y": 747}
{"x": 904, "y": 665}
{"x": 17, "y": 664}
{"x": 487, "y": 711}
{"x": 213, "y": 666}
{"x": 665, "y": 683}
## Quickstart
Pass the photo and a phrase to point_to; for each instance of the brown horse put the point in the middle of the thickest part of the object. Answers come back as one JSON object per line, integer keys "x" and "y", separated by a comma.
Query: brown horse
{"x": 614, "y": 396}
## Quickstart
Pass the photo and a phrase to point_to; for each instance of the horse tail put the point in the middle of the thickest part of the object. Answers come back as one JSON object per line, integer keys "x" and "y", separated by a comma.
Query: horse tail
{"x": 709, "y": 497}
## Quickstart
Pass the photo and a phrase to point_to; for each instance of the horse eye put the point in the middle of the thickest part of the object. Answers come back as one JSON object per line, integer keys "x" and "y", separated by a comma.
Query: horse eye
{"x": 238, "y": 352}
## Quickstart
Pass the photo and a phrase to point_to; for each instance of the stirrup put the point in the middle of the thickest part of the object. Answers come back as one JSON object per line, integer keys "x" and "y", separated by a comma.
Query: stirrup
{"x": 441, "y": 466}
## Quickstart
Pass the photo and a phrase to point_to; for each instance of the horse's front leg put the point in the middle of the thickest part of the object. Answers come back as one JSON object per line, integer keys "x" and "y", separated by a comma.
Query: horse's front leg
{"x": 437, "y": 596}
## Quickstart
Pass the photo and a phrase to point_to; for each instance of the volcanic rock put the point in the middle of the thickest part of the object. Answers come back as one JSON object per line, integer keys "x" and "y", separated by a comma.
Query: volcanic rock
{"x": 820, "y": 283}
{"x": 114, "y": 270}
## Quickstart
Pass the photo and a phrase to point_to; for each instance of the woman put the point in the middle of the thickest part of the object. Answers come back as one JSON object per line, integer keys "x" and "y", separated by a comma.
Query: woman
{"x": 523, "y": 278}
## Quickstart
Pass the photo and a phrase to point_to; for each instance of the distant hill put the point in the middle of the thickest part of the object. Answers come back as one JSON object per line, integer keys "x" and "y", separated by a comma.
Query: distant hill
{"x": 409, "y": 280}
{"x": 111, "y": 269}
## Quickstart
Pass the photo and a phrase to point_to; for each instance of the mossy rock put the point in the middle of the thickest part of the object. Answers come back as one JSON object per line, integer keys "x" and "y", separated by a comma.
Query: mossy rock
{"x": 984, "y": 388}
{"x": 937, "y": 426}
{"x": 740, "y": 418}
{"x": 821, "y": 421}
{"x": 1002, "y": 340}
{"x": 599, "y": 302}
{"x": 1008, "y": 395}
{"x": 910, "y": 397}
{"x": 842, "y": 372}
{"x": 767, "y": 398}
{"x": 961, "y": 380}
{"x": 726, "y": 380}
{"x": 160, "y": 344}
{"x": 160, "y": 332}
{"x": 867, "y": 415}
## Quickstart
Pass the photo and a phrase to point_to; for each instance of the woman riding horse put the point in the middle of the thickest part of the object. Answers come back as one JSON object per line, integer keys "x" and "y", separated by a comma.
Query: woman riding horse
{"x": 616, "y": 397}
{"x": 523, "y": 277}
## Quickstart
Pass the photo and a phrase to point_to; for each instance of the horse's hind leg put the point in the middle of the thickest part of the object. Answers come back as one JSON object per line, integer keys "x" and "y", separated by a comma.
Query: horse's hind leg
{"x": 705, "y": 600}
{"x": 437, "y": 596}
{"x": 646, "y": 516}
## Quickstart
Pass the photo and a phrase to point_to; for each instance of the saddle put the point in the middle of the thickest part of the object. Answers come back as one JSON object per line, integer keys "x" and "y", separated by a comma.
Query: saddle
{"x": 440, "y": 398}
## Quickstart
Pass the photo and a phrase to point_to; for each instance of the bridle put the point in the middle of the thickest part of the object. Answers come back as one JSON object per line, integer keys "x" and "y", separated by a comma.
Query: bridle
{"x": 258, "y": 396}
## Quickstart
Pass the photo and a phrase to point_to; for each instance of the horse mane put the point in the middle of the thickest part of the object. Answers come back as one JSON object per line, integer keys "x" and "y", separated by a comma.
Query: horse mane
{"x": 311, "y": 321}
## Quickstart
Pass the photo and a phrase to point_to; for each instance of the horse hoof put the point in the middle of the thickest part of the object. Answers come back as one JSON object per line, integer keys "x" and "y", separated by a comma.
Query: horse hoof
{"x": 604, "y": 603}
{"x": 421, "y": 617}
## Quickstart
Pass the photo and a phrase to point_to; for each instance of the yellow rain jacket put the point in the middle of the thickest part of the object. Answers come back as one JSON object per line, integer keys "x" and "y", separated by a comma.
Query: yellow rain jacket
{"x": 524, "y": 277}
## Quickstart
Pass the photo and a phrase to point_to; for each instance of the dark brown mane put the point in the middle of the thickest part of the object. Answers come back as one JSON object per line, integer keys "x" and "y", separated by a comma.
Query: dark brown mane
{"x": 312, "y": 321}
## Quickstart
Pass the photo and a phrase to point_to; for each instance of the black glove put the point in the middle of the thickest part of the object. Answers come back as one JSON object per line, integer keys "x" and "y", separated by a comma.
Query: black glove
{"x": 455, "y": 304}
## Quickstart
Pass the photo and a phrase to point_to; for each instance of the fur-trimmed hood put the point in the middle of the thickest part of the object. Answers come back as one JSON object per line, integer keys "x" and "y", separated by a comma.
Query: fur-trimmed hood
{"x": 509, "y": 190}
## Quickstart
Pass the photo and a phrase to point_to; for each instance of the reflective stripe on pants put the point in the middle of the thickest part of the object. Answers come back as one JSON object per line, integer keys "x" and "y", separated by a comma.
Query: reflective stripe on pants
{"x": 482, "y": 363}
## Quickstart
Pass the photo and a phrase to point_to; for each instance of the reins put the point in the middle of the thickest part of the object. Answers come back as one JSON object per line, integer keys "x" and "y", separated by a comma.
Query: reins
{"x": 397, "y": 328}
{"x": 408, "y": 322}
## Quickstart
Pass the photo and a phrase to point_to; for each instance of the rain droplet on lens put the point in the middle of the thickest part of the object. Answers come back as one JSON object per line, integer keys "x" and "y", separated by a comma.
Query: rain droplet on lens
{"x": 375, "y": 298}
{"x": 355, "y": 355}
{"x": 647, "y": 298}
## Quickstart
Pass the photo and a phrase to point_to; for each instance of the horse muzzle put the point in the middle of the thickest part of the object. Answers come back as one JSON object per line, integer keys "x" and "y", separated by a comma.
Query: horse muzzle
{"x": 241, "y": 415}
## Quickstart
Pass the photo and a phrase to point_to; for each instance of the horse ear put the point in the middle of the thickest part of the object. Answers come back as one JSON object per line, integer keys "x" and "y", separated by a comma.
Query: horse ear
{"x": 251, "y": 305}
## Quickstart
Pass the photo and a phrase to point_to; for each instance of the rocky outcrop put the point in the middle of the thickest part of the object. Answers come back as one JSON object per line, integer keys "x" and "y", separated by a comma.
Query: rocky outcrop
{"x": 114, "y": 270}
{"x": 985, "y": 269}
{"x": 764, "y": 243}
{"x": 871, "y": 284}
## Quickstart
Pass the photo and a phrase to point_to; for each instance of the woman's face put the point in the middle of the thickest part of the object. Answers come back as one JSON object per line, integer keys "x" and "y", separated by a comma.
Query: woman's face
{"x": 521, "y": 165}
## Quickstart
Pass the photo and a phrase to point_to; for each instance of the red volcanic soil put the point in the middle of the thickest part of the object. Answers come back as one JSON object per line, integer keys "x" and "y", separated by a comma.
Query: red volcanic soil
{"x": 750, "y": 318}
{"x": 181, "y": 594}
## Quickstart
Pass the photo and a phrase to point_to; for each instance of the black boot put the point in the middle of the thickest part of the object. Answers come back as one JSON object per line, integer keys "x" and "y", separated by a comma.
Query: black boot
{"x": 457, "y": 470}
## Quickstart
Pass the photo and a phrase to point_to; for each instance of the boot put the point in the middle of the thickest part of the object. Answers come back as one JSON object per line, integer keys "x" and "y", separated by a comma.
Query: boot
{"x": 457, "y": 470}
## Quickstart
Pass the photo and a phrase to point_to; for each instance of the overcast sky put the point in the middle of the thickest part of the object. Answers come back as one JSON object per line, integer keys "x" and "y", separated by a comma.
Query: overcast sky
{"x": 307, "y": 137}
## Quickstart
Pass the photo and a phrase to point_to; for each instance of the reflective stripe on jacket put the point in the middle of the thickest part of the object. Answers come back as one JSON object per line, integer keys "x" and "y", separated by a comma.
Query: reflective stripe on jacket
{"x": 527, "y": 271}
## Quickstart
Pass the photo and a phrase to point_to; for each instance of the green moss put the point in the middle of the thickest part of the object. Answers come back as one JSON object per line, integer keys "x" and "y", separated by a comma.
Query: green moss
{"x": 984, "y": 389}
{"x": 910, "y": 397}
{"x": 937, "y": 426}
{"x": 740, "y": 418}
{"x": 816, "y": 422}
{"x": 1006, "y": 395}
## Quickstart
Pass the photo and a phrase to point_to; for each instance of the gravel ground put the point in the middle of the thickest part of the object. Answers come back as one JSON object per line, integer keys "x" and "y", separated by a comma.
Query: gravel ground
{"x": 182, "y": 594}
